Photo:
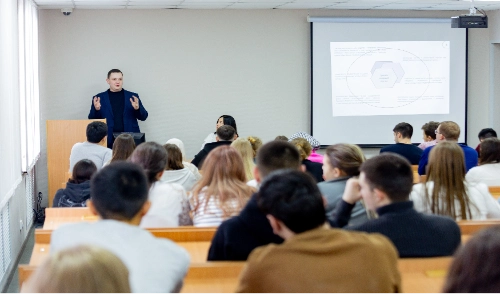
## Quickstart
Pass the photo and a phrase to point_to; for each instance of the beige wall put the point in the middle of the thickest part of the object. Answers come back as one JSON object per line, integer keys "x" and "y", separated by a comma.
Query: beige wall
{"x": 191, "y": 66}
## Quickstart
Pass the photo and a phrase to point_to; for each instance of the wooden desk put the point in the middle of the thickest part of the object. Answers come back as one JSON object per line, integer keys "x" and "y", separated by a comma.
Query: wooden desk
{"x": 471, "y": 227}
{"x": 423, "y": 275}
{"x": 213, "y": 277}
{"x": 494, "y": 191}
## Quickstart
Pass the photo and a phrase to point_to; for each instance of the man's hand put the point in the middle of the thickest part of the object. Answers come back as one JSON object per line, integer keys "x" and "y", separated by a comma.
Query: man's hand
{"x": 97, "y": 103}
{"x": 352, "y": 192}
{"x": 134, "y": 102}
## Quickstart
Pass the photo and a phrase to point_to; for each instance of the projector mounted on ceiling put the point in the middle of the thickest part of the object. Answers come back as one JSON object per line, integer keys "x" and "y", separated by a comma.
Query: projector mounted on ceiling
{"x": 471, "y": 20}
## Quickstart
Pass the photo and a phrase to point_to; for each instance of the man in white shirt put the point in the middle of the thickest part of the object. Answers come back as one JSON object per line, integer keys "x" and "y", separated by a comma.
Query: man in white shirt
{"x": 92, "y": 148}
{"x": 119, "y": 195}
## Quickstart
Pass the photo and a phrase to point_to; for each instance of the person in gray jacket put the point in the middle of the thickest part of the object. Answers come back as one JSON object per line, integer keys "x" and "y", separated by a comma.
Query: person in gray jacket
{"x": 341, "y": 162}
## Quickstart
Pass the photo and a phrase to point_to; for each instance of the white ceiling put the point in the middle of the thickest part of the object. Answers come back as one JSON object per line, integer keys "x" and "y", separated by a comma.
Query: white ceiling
{"x": 269, "y": 4}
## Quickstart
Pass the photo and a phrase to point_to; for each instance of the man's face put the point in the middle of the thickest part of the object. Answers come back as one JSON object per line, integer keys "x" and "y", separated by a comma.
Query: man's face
{"x": 115, "y": 82}
{"x": 439, "y": 136}
{"x": 396, "y": 139}
{"x": 367, "y": 193}
{"x": 220, "y": 122}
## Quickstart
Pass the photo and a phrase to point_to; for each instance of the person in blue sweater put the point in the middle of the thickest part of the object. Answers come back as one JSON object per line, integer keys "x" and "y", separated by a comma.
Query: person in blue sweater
{"x": 385, "y": 184}
{"x": 120, "y": 108}
{"x": 449, "y": 131}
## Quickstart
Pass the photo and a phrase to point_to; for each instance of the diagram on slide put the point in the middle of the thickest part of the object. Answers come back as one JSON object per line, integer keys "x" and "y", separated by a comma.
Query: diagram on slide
{"x": 390, "y": 78}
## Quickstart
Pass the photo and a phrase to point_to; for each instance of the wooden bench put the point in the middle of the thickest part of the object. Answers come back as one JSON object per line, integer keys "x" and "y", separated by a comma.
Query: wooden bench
{"x": 423, "y": 275}
{"x": 471, "y": 227}
{"x": 213, "y": 277}
{"x": 494, "y": 191}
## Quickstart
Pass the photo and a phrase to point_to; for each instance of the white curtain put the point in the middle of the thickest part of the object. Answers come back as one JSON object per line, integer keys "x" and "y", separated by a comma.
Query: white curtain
{"x": 28, "y": 83}
{"x": 10, "y": 142}
{"x": 19, "y": 98}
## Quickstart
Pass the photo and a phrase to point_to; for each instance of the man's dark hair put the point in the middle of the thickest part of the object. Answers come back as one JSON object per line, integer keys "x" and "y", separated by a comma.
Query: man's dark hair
{"x": 430, "y": 129}
{"x": 405, "y": 129}
{"x": 486, "y": 133}
{"x": 119, "y": 190}
{"x": 114, "y": 71}
{"x": 277, "y": 155}
{"x": 292, "y": 197}
{"x": 83, "y": 171}
{"x": 96, "y": 131}
{"x": 391, "y": 173}
{"x": 226, "y": 133}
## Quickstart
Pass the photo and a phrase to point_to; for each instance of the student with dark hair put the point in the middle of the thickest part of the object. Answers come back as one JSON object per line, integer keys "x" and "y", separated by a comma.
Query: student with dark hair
{"x": 294, "y": 207}
{"x": 341, "y": 162}
{"x": 484, "y": 134}
{"x": 222, "y": 120}
{"x": 402, "y": 136}
{"x": 119, "y": 107}
{"x": 385, "y": 184}
{"x": 488, "y": 170}
{"x": 237, "y": 237}
{"x": 225, "y": 136}
{"x": 92, "y": 148}
{"x": 119, "y": 194}
{"x": 281, "y": 138}
{"x": 475, "y": 265}
{"x": 449, "y": 131}
{"x": 169, "y": 202}
{"x": 429, "y": 134}
{"x": 175, "y": 171}
{"x": 77, "y": 190}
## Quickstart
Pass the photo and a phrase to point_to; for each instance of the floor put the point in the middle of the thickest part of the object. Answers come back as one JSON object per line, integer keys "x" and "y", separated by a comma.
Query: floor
{"x": 25, "y": 259}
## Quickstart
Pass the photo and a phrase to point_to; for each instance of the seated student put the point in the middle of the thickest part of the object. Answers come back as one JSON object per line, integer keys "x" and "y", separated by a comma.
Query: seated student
{"x": 225, "y": 136}
{"x": 244, "y": 148}
{"x": 175, "y": 171}
{"x": 77, "y": 190}
{"x": 341, "y": 162}
{"x": 222, "y": 120}
{"x": 256, "y": 143}
{"x": 429, "y": 134}
{"x": 281, "y": 138}
{"x": 169, "y": 202}
{"x": 119, "y": 195}
{"x": 484, "y": 134}
{"x": 475, "y": 265}
{"x": 385, "y": 184}
{"x": 488, "y": 170}
{"x": 186, "y": 164}
{"x": 315, "y": 144}
{"x": 313, "y": 168}
{"x": 123, "y": 146}
{"x": 222, "y": 191}
{"x": 446, "y": 192}
{"x": 238, "y": 236}
{"x": 80, "y": 269}
{"x": 402, "y": 136}
{"x": 91, "y": 149}
{"x": 314, "y": 258}
{"x": 449, "y": 131}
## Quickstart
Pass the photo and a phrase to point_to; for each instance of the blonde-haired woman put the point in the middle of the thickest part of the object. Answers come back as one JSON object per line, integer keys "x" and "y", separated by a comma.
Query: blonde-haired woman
{"x": 222, "y": 192}
{"x": 81, "y": 269}
{"x": 256, "y": 144}
{"x": 245, "y": 149}
{"x": 446, "y": 192}
{"x": 305, "y": 149}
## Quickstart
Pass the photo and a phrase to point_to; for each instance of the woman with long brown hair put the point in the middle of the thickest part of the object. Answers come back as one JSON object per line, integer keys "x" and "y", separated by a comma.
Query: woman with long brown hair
{"x": 123, "y": 146}
{"x": 446, "y": 192}
{"x": 222, "y": 192}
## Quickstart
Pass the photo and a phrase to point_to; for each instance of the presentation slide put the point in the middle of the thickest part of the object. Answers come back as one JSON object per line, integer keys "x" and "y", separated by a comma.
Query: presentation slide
{"x": 369, "y": 74}
{"x": 390, "y": 78}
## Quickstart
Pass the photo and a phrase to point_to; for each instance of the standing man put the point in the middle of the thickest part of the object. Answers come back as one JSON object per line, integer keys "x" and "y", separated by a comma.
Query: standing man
{"x": 119, "y": 107}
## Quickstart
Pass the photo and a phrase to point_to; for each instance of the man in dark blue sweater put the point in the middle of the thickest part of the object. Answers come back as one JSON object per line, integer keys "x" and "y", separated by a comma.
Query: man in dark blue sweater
{"x": 402, "y": 136}
{"x": 384, "y": 185}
